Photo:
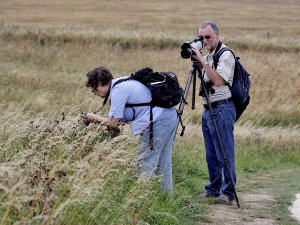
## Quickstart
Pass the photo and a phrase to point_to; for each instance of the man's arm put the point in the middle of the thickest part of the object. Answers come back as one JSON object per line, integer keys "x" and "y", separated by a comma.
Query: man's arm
{"x": 102, "y": 119}
{"x": 212, "y": 74}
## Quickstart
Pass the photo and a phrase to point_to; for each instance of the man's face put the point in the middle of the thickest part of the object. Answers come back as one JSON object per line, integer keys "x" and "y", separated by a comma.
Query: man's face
{"x": 210, "y": 38}
{"x": 100, "y": 90}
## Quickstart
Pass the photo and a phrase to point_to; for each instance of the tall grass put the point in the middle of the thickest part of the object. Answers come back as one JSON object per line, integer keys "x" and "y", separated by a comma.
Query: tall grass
{"x": 49, "y": 167}
{"x": 56, "y": 170}
{"x": 132, "y": 41}
{"x": 41, "y": 77}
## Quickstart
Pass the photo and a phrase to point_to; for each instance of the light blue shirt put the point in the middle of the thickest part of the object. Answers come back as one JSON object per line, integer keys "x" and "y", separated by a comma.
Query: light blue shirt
{"x": 132, "y": 91}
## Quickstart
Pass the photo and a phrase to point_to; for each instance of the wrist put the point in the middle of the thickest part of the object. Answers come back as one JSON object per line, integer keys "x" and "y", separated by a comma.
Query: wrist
{"x": 204, "y": 62}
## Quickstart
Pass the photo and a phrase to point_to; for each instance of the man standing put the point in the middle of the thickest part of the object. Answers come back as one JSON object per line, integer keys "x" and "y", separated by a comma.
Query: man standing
{"x": 219, "y": 95}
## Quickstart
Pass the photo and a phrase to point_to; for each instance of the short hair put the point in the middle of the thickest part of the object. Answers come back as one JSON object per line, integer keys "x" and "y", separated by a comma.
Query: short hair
{"x": 211, "y": 24}
{"x": 98, "y": 75}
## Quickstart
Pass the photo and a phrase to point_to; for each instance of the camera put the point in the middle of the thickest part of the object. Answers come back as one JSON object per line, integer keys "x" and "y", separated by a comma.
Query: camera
{"x": 186, "y": 48}
{"x": 84, "y": 118}
{"x": 84, "y": 115}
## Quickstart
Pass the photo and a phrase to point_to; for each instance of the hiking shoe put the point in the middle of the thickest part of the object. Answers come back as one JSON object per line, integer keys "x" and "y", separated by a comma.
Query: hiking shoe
{"x": 224, "y": 199}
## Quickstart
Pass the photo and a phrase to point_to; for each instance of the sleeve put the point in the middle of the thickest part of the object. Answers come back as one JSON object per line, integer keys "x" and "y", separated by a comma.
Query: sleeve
{"x": 119, "y": 97}
{"x": 226, "y": 66}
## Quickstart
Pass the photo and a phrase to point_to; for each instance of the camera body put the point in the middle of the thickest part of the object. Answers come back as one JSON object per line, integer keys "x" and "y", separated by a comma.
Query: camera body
{"x": 186, "y": 48}
{"x": 84, "y": 115}
{"x": 84, "y": 118}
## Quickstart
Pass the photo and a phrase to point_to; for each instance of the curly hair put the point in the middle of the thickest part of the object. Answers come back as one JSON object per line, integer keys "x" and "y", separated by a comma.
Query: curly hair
{"x": 98, "y": 75}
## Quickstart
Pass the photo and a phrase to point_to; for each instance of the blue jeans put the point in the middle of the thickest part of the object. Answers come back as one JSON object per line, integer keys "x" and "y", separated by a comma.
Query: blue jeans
{"x": 159, "y": 160}
{"x": 219, "y": 178}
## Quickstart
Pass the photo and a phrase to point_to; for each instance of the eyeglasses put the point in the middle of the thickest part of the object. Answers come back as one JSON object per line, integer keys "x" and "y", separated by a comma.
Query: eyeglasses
{"x": 207, "y": 37}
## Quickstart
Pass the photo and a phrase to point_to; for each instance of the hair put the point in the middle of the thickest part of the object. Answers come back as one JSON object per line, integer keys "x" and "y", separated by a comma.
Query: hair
{"x": 211, "y": 24}
{"x": 98, "y": 75}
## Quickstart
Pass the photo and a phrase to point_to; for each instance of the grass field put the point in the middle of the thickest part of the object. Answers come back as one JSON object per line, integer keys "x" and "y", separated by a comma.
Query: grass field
{"x": 54, "y": 170}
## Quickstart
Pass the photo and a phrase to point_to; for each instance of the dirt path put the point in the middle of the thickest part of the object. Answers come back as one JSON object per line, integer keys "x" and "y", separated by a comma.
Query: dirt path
{"x": 256, "y": 204}
{"x": 248, "y": 214}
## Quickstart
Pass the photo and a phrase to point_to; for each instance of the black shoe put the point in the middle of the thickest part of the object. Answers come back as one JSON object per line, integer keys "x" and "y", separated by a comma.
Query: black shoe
{"x": 207, "y": 194}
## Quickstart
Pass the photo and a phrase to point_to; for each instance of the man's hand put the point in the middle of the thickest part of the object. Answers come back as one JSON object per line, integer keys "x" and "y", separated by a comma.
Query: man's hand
{"x": 92, "y": 117}
{"x": 198, "y": 55}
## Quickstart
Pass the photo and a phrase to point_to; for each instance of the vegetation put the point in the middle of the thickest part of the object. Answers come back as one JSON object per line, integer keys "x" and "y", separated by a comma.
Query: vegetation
{"x": 56, "y": 170}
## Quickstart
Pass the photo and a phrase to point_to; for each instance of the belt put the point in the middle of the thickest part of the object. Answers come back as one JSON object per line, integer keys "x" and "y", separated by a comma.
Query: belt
{"x": 216, "y": 103}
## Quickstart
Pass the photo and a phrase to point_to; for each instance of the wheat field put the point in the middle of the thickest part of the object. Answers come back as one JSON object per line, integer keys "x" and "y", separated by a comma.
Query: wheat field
{"x": 265, "y": 34}
{"x": 55, "y": 170}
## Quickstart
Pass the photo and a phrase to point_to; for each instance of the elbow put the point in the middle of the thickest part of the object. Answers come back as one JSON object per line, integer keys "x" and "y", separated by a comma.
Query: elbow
{"x": 219, "y": 81}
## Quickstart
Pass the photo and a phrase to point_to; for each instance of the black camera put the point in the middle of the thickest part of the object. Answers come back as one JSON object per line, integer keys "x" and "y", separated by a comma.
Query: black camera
{"x": 186, "y": 48}
{"x": 84, "y": 115}
{"x": 84, "y": 118}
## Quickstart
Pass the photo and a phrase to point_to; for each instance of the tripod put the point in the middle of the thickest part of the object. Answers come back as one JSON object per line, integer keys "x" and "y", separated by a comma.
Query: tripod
{"x": 196, "y": 67}
{"x": 183, "y": 102}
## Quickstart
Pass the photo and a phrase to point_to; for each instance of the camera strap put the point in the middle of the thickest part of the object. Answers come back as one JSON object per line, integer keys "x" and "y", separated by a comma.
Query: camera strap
{"x": 107, "y": 95}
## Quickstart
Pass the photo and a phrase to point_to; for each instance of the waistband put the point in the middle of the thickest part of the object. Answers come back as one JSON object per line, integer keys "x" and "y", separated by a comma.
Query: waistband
{"x": 216, "y": 103}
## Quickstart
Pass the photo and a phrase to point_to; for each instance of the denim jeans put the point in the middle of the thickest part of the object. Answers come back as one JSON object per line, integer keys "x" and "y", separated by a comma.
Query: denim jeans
{"x": 219, "y": 178}
{"x": 159, "y": 160}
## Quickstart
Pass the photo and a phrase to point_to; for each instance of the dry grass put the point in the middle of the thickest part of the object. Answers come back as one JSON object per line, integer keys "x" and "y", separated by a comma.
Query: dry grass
{"x": 266, "y": 19}
{"x": 52, "y": 76}
{"x": 65, "y": 39}
{"x": 50, "y": 162}
{"x": 49, "y": 166}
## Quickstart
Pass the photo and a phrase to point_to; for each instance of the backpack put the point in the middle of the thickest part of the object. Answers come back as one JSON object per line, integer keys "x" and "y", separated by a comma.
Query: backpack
{"x": 165, "y": 90}
{"x": 241, "y": 83}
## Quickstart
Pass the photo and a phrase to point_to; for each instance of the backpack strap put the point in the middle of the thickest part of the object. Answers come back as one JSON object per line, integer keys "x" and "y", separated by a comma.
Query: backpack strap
{"x": 217, "y": 56}
{"x": 151, "y": 129}
{"x": 108, "y": 92}
{"x": 131, "y": 105}
{"x": 121, "y": 80}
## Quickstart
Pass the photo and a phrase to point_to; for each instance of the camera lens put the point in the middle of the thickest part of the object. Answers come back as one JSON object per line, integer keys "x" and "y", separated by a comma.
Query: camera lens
{"x": 186, "y": 50}
{"x": 198, "y": 45}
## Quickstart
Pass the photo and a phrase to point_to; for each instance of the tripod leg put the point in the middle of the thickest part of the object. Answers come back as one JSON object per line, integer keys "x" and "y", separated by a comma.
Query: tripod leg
{"x": 183, "y": 101}
{"x": 194, "y": 90}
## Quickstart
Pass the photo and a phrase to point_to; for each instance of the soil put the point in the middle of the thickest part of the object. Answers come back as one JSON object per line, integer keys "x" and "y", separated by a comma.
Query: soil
{"x": 255, "y": 207}
{"x": 248, "y": 213}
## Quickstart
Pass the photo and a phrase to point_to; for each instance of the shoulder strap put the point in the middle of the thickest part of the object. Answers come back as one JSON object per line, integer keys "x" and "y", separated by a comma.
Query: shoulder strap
{"x": 122, "y": 80}
{"x": 131, "y": 104}
{"x": 217, "y": 55}
{"x": 117, "y": 82}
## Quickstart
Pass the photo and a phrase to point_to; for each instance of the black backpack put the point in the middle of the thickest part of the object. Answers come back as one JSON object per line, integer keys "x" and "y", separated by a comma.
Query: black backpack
{"x": 241, "y": 83}
{"x": 165, "y": 90}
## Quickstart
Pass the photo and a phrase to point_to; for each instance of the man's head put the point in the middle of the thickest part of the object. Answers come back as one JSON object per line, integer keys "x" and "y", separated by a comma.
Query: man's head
{"x": 210, "y": 33}
{"x": 99, "y": 80}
